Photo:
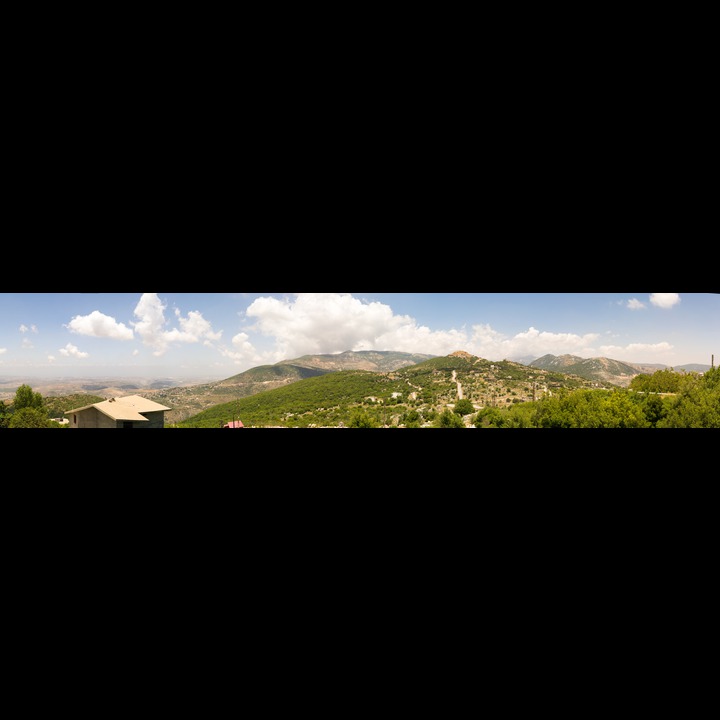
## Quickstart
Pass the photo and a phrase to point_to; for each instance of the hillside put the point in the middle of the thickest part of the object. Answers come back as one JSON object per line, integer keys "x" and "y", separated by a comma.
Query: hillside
{"x": 189, "y": 401}
{"x": 427, "y": 388}
{"x": 370, "y": 360}
{"x": 604, "y": 369}
{"x": 693, "y": 368}
{"x": 597, "y": 369}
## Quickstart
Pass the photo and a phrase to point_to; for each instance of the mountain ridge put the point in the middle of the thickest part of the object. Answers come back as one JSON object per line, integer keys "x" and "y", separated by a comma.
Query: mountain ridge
{"x": 188, "y": 401}
{"x": 420, "y": 390}
{"x": 604, "y": 369}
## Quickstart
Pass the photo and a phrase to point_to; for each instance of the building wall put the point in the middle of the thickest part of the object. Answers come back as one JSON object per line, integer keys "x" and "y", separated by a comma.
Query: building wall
{"x": 91, "y": 418}
{"x": 157, "y": 420}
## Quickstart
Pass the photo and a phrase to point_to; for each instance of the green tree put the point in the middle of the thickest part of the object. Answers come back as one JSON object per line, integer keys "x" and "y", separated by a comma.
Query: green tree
{"x": 464, "y": 407}
{"x": 655, "y": 408}
{"x": 662, "y": 381}
{"x": 411, "y": 419}
{"x": 698, "y": 405}
{"x": 591, "y": 409}
{"x": 449, "y": 419}
{"x": 26, "y": 398}
{"x": 361, "y": 419}
{"x": 29, "y": 417}
{"x": 4, "y": 414}
{"x": 489, "y": 417}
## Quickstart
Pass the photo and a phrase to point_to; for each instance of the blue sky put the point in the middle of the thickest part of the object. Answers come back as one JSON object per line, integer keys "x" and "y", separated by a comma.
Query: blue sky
{"x": 188, "y": 335}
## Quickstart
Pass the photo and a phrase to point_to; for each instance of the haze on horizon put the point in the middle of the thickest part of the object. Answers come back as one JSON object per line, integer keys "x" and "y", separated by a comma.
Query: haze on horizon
{"x": 216, "y": 335}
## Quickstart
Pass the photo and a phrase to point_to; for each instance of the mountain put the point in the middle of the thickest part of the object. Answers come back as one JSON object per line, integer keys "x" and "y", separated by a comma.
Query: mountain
{"x": 331, "y": 399}
{"x": 371, "y": 360}
{"x": 693, "y": 367}
{"x": 600, "y": 369}
{"x": 188, "y": 401}
{"x": 648, "y": 368}
{"x": 604, "y": 369}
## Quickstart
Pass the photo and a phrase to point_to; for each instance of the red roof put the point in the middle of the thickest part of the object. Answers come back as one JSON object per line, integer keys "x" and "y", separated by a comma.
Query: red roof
{"x": 234, "y": 424}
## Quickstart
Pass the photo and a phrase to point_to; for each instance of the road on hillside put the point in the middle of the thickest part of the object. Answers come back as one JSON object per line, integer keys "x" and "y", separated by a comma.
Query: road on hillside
{"x": 459, "y": 386}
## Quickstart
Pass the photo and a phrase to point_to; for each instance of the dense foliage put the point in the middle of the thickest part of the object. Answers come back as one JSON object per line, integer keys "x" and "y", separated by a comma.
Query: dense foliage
{"x": 321, "y": 401}
{"x": 663, "y": 381}
{"x": 26, "y": 411}
{"x": 29, "y": 417}
{"x": 26, "y": 398}
{"x": 501, "y": 395}
{"x": 695, "y": 403}
{"x": 30, "y": 410}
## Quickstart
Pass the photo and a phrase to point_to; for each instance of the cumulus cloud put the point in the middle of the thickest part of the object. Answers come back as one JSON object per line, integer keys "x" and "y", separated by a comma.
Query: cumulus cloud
{"x": 3, "y": 351}
{"x": 101, "y": 326}
{"x": 193, "y": 328}
{"x": 312, "y": 323}
{"x": 151, "y": 325}
{"x": 665, "y": 300}
{"x": 25, "y": 329}
{"x": 635, "y": 304}
{"x": 71, "y": 350}
{"x": 494, "y": 346}
{"x": 244, "y": 352}
{"x": 27, "y": 344}
{"x": 51, "y": 358}
{"x": 309, "y": 323}
{"x": 633, "y": 351}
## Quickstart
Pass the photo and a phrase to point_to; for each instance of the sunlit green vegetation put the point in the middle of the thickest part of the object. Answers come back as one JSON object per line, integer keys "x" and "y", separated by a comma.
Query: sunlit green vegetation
{"x": 681, "y": 401}
{"x": 323, "y": 401}
{"x": 498, "y": 395}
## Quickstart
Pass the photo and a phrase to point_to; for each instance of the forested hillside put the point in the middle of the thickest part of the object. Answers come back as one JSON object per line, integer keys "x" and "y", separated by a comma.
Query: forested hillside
{"x": 417, "y": 396}
{"x": 663, "y": 400}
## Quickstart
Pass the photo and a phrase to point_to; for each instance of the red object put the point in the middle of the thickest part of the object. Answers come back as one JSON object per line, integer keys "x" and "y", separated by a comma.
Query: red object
{"x": 234, "y": 424}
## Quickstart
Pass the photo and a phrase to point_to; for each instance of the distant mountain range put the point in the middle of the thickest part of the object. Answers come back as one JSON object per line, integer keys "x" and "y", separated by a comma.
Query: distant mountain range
{"x": 604, "y": 369}
{"x": 371, "y": 360}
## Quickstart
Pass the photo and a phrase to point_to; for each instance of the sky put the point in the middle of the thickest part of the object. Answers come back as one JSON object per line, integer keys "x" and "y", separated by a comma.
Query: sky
{"x": 217, "y": 335}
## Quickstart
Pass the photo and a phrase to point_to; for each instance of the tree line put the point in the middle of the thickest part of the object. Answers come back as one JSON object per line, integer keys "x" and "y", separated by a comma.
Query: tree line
{"x": 665, "y": 399}
{"x": 27, "y": 410}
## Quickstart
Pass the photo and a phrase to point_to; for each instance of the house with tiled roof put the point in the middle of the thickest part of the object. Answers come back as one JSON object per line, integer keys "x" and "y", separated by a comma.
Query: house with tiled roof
{"x": 128, "y": 412}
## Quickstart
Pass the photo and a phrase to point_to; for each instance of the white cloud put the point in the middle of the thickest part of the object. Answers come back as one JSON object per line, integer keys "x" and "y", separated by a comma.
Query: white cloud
{"x": 334, "y": 322}
{"x": 244, "y": 353}
{"x": 98, "y": 325}
{"x": 136, "y": 353}
{"x": 194, "y": 328}
{"x": 329, "y": 322}
{"x": 51, "y": 358}
{"x": 27, "y": 344}
{"x": 151, "y": 325}
{"x": 665, "y": 300}
{"x": 3, "y": 351}
{"x": 71, "y": 351}
{"x": 635, "y": 304}
{"x": 490, "y": 344}
{"x": 635, "y": 352}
